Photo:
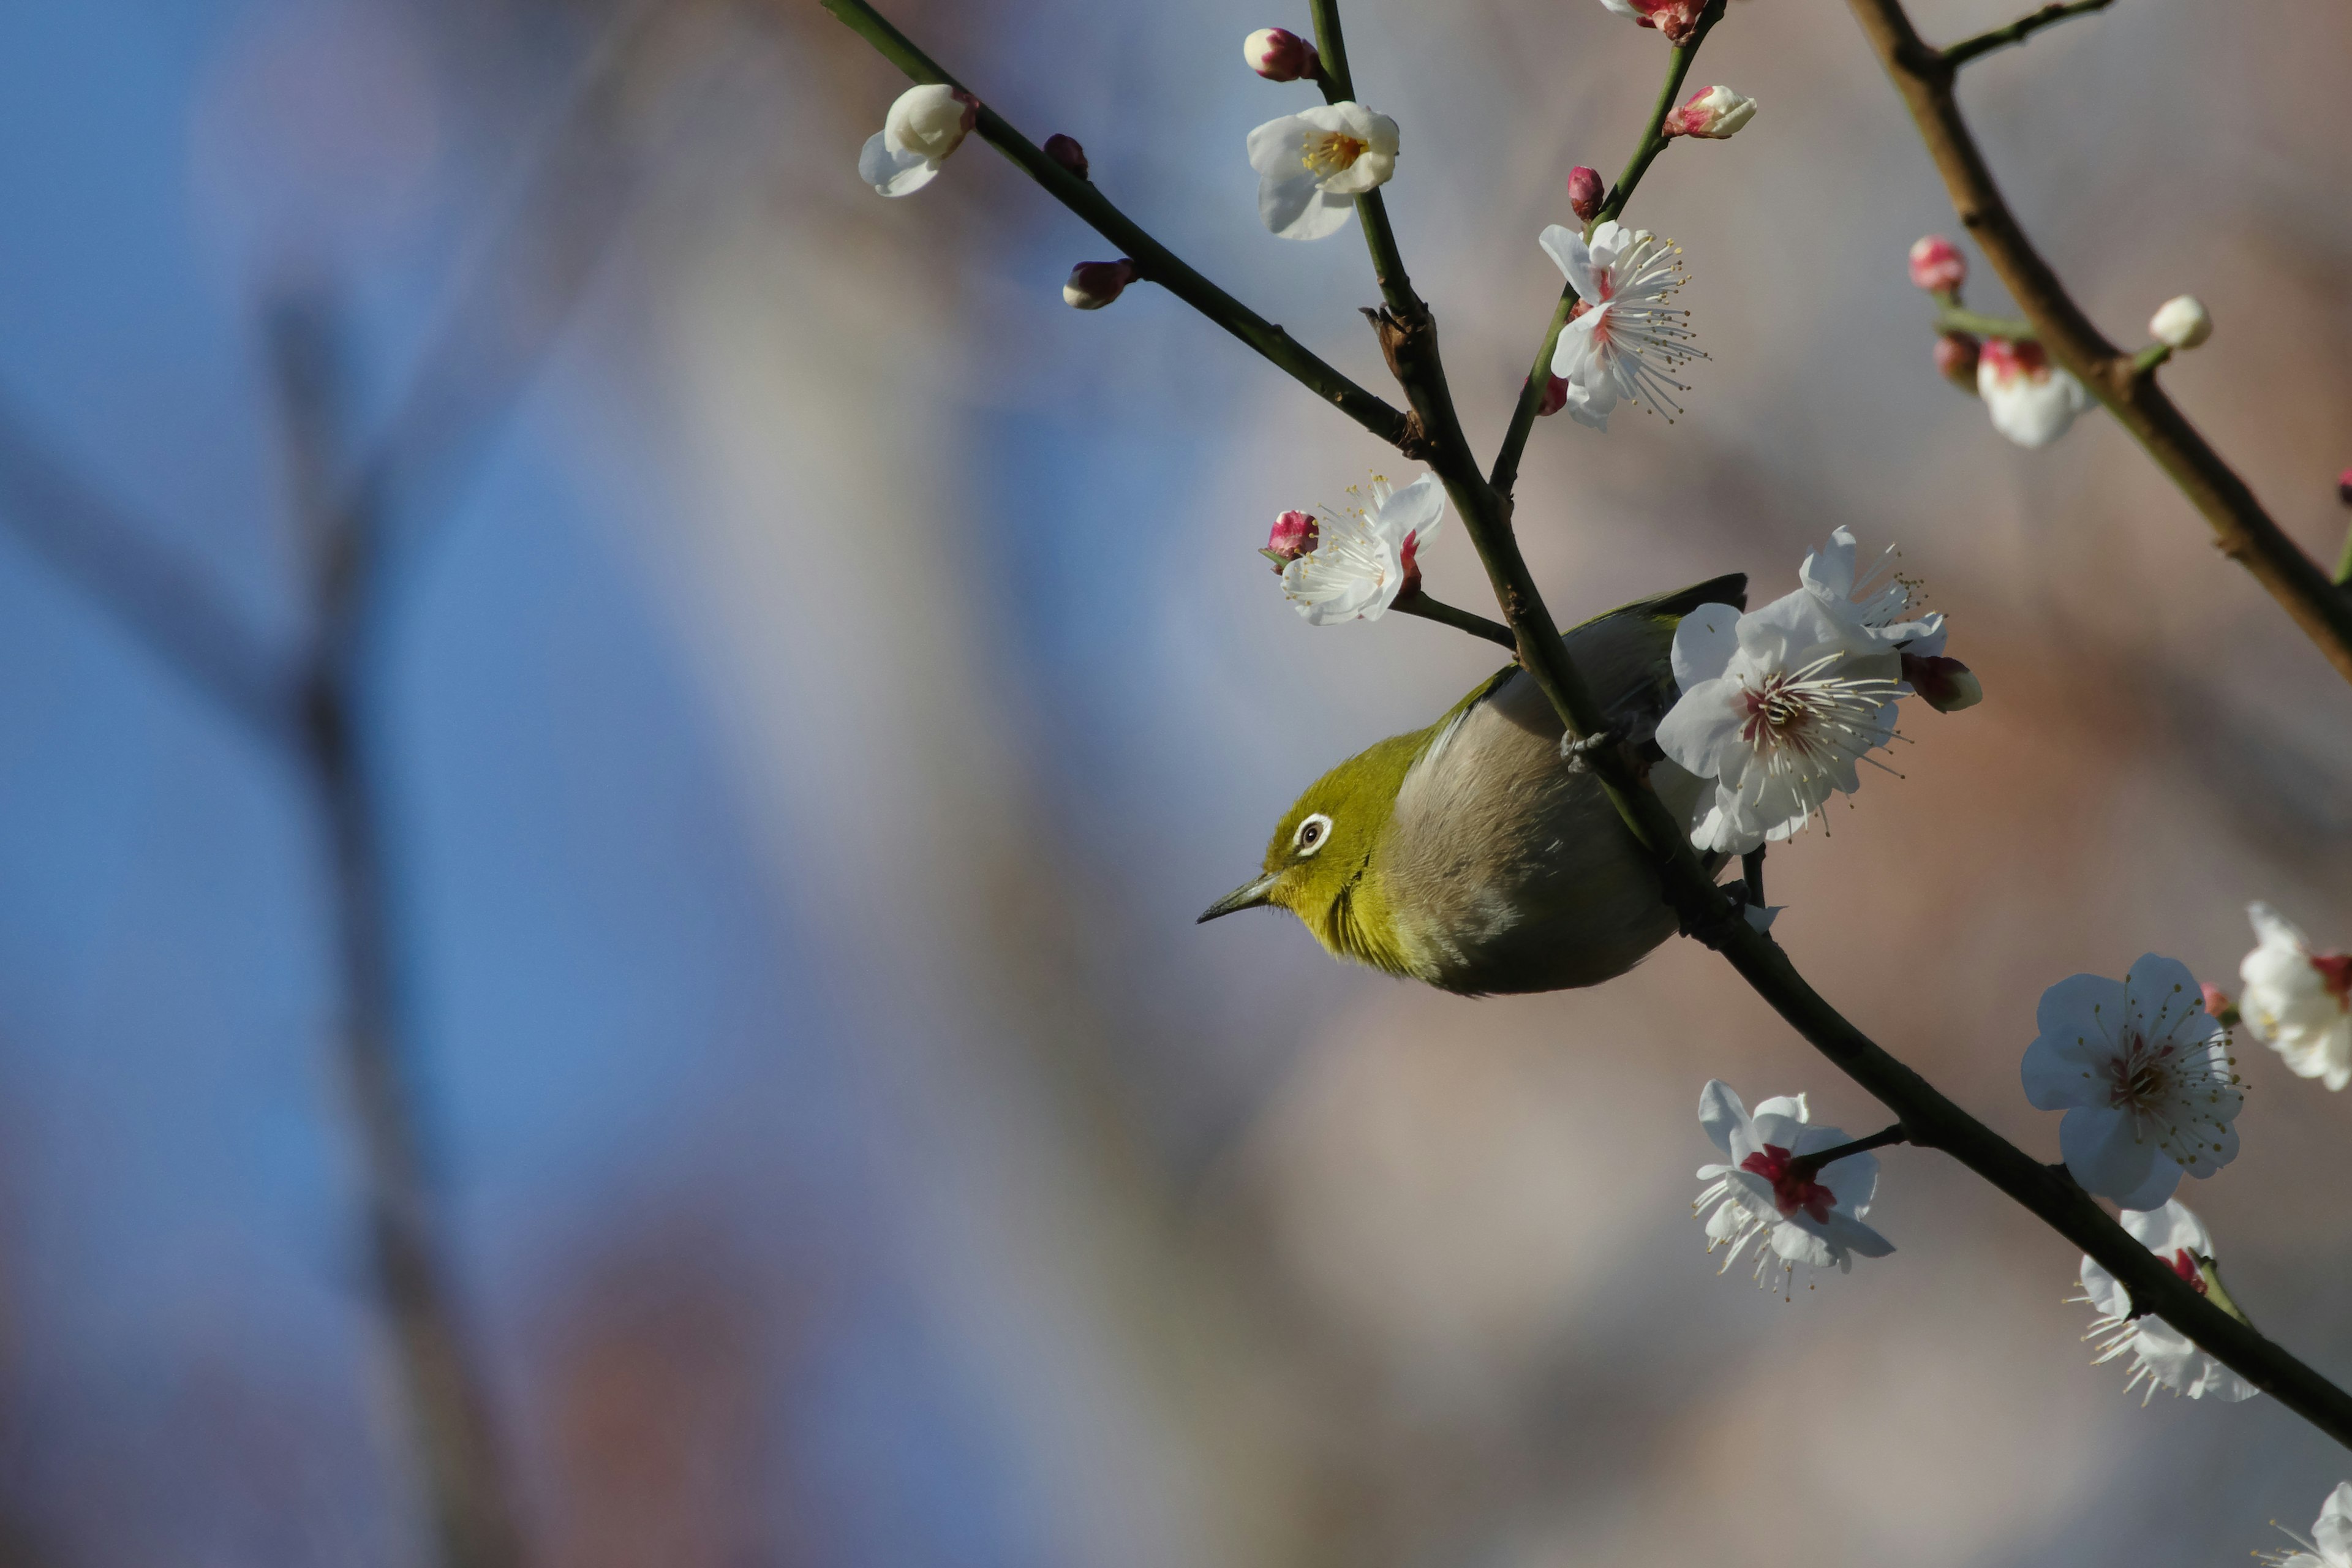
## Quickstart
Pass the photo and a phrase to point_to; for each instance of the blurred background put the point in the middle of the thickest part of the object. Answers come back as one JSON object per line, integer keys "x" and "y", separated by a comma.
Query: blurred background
{"x": 608, "y": 747}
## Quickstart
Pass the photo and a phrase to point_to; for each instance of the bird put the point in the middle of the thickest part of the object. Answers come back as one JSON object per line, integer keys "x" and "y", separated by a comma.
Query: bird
{"x": 1480, "y": 856}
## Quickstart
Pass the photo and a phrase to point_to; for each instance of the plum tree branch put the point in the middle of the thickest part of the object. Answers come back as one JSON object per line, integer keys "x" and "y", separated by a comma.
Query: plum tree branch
{"x": 1505, "y": 473}
{"x": 1408, "y": 340}
{"x": 2017, "y": 32}
{"x": 1417, "y": 602}
{"x": 2243, "y": 530}
{"x": 1154, "y": 262}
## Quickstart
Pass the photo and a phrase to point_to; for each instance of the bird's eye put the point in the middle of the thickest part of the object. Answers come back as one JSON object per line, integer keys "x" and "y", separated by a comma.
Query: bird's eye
{"x": 1311, "y": 833}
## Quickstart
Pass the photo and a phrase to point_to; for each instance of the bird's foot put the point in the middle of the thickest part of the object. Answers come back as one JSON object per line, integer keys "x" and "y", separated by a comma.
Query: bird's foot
{"x": 1573, "y": 747}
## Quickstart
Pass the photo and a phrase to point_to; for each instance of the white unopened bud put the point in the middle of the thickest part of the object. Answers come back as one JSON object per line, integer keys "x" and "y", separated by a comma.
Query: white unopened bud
{"x": 1094, "y": 284}
{"x": 2180, "y": 323}
{"x": 1278, "y": 54}
{"x": 923, "y": 127}
{"x": 1711, "y": 115}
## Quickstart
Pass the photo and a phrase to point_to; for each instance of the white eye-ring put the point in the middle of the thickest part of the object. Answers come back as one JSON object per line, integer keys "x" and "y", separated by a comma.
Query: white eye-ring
{"x": 1312, "y": 835}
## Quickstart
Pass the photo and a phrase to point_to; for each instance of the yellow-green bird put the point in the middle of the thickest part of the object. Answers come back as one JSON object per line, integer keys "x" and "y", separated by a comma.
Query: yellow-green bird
{"x": 1473, "y": 854}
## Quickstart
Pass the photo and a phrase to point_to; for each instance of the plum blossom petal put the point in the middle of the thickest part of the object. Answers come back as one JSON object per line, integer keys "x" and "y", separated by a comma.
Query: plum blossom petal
{"x": 1312, "y": 165}
{"x": 1360, "y": 562}
{"x": 2032, "y": 401}
{"x": 2330, "y": 1545}
{"x": 2298, "y": 1002}
{"x": 2145, "y": 1076}
{"x": 1627, "y": 345}
{"x": 1766, "y": 1194}
{"x": 2162, "y": 1356}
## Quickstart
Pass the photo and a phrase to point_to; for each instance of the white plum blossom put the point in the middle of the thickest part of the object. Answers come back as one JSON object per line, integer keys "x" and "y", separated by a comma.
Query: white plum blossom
{"x": 1626, "y": 345}
{"x": 2330, "y": 1545}
{"x": 2032, "y": 401}
{"x": 2144, "y": 1074}
{"x": 1311, "y": 166}
{"x": 2298, "y": 1002}
{"x": 2161, "y": 1354}
{"x": 925, "y": 124}
{"x": 1782, "y": 705}
{"x": 1764, "y": 1195}
{"x": 1362, "y": 561}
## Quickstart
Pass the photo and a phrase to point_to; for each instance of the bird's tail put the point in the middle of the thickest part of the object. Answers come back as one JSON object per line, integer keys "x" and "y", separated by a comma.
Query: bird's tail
{"x": 1731, "y": 588}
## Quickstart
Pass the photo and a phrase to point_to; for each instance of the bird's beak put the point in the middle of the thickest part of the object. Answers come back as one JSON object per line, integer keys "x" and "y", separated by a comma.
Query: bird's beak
{"x": 1248, "y": 896}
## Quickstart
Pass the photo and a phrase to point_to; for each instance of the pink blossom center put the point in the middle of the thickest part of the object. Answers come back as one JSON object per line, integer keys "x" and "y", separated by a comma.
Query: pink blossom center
{"x": 2184, "y": 1263}
{"x": 2139, "y": 1075}
{"x": 2336, "y": 974}
{"x": 1790, "y": 1192}
{"x": 1411, "y": 584}
{"x": 1775, "y": 713}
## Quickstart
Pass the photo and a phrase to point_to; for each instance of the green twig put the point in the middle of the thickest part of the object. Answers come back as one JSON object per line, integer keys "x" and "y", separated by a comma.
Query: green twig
{"x": 1154, "y": 261}
{"x": 1338, "y": 84}
{"x": 1952, "y": 319}
{"x": 1653, "y": 140}
{"x": 1477, "y": 626}
{"x": 2017, "y": 32}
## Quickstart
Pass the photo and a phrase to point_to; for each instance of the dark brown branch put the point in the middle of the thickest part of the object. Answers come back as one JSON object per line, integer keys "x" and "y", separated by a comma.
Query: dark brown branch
{"x": 2242, "y": 529}
{"x": 2017, "y": 32}
{"x": 1155, "y": 262}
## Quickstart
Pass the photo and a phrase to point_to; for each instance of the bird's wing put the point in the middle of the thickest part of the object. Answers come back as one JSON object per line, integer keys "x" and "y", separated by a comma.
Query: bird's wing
{"x": 1731, "y": 588}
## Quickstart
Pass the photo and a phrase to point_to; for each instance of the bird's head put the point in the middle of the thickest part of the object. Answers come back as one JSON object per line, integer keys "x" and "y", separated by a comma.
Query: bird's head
{"x": 1314, "y": 862}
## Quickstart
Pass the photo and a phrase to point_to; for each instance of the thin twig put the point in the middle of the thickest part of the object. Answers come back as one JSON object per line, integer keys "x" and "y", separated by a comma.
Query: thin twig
{"x": 1804, "y": 1167}
{"x": 1155, "y": 262}
{"x": 2017, "y": 32}
{"x": 2242, "y": 529}
{"x": 1338, "y": 84}
{"x": 1477, "y": 626}
{"x": 1505, "y": 473}
{"x": 1952, "y": 319}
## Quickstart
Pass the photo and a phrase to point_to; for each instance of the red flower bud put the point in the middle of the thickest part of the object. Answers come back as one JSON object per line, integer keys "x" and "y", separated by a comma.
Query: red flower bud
{"x": 1956, "y": 359}
{"x": 1585, "y": 192}
{"x": 1066, "y": 150}
{"x": 1278, "y": 54}
{"x": 1555, "y": 395}
{"x": 2344, "y": 487}
{"x": 1938, "y": 266}
{"x": 1295, "y": 533}
{"x": 1094, "y": 284}
{"x": 1944, "y": 684}
{"x": 2218, "y": 1002}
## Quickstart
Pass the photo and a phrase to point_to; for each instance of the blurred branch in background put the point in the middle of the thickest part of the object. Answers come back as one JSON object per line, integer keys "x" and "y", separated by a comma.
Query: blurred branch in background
{"x": 570, "y": 198}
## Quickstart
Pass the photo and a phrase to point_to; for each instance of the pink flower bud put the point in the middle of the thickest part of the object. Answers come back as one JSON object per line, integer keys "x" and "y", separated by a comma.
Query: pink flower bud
{"x": 1555, "y": 397}
{"x": 1956, "y": 359}
{"x": 1066, "y": 150}
{"x": 1944, "y": 684}
{"x": 1713, "y": 114}
{"x": 2218, "y": 1004}
{"x": 1938, "y": 266}
{"x": 1295, "y": 534}
{"x": 1278, "y": 54}
{"x": 1585, "y": 192}
{"x": 1677, "y": 19}
{"x": 2344, "y": 487}
{"x": 1094, "y": 284}
{"x": 2014, "y": 359}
